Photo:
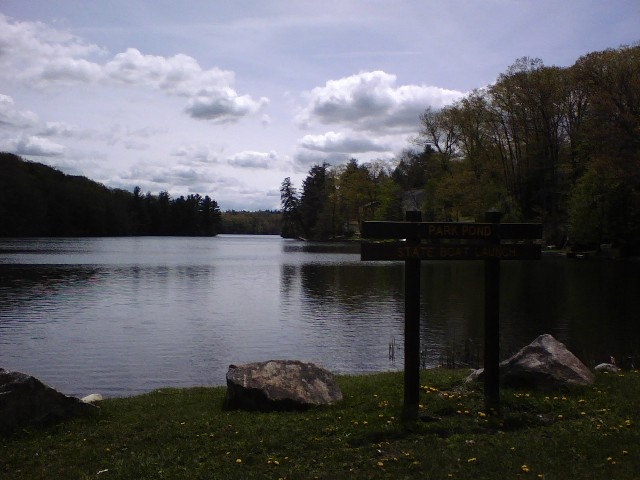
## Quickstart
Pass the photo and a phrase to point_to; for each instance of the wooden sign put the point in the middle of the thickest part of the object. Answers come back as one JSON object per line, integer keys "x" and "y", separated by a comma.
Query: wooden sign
{"x": 449, "y": 241}
{"x": 440, "y": 230}
{"x": 425, "y": 251}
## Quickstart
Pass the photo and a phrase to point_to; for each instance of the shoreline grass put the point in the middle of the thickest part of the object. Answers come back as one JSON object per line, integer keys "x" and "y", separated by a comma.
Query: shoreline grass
{"x": 589, "y": 433}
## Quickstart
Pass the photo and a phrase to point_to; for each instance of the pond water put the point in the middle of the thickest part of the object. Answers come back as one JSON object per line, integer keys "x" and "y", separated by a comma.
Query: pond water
{"x": 122, "y": 316}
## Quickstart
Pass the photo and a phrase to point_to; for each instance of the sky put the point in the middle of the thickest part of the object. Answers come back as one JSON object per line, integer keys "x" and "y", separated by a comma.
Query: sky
{"x": 226, "y": 98}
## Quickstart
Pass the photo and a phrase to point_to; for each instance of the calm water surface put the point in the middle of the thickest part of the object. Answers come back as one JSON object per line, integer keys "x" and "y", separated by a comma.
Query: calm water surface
{"x": 121, "y": 316}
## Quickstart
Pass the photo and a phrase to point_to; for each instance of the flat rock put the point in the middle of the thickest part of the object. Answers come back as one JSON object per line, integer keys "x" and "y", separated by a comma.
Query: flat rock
{"x": 26, "y": 401}
{"x": 544, "y": 364}
{"x": 278, "y": 385}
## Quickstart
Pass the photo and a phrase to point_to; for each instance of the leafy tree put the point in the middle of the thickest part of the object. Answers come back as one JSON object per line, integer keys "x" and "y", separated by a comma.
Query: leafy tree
{"x": 387, "y": 202}
{"x": 605, "y": 205}
{"x": 358, "y": 191}
{"x": 539, "y": 144}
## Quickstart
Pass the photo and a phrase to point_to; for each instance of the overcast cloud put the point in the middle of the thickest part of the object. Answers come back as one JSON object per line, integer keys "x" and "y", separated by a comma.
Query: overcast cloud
{"x": 227, "y": 99}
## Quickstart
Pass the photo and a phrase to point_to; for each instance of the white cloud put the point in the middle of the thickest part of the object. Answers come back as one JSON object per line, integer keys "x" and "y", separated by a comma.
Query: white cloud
{"x": 58, "y": 129}
{"x": 132, "y": 144}
{"x": 304, "y": 158}
{"x": 371, "y": 101}
{"x": 204, "y": 179}
{"x": 250, "y": 159}
{"x": 172, "y": 74}
{"x": 197, "y": 154}
{"x": 155, "y": 177}
{"x": 47, "y": 58}
{"x": 341, "y": 142}
{"x": 10, "y": 117}
{"x": 29, "y": 43}
{"x": 37, "y": 146}
{"x": 192, "y": 83}
{"x": 223, "y": 106}
{"x": 66, "y": 71}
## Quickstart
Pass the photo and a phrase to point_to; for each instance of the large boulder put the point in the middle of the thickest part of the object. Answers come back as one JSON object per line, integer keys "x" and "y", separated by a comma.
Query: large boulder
{"x": 544, "y": 364}
{"x": 26, "y": 401}
{"x": 280, "y": 385}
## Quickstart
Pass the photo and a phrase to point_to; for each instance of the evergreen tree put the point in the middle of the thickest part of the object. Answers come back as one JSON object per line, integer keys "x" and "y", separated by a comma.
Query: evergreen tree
{"x": 290, "y": 210}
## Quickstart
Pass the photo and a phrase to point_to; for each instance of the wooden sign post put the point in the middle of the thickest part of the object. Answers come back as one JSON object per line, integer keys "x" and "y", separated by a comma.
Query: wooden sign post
{"x": 450, "y": 241}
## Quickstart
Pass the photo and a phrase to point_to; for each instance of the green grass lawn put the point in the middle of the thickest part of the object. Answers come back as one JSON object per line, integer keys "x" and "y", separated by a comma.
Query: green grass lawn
{"x": 589, "y": 433}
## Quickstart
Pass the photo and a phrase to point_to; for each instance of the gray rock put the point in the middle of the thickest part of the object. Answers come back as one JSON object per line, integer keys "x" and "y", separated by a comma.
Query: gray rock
{"x": 26, "y": 401}
{"x": 280, "y": 385}
{"x": 543, "y": 364}
{"x": 606, "y": 367}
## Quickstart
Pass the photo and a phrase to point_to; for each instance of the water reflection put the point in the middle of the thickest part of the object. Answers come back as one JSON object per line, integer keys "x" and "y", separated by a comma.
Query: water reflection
{"x": 38, "y": 287}
{"x": 124, "y": 316}
{"x": 317, "y": 247}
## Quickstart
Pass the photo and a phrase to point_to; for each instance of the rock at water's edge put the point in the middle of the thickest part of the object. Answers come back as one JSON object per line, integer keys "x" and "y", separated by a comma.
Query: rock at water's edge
{"x": 26, "y": 401}
{"x": 280, "y": 385}
{"x": 545, "y": 363}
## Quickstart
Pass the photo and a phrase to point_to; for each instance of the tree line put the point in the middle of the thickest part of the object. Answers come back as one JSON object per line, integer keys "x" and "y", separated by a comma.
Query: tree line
{"x": 554, "y": 145}
{"x": 335, "y": 199}
{"x": 37, "y": 200}
{"x": 261, "y": 222}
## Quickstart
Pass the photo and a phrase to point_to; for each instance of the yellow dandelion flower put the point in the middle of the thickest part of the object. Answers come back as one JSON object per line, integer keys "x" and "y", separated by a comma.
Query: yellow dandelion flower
{"x": 238, "y": 460}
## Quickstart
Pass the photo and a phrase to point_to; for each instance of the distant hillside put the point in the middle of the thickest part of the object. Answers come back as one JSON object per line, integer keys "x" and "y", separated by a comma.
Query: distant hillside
{"x": 38, "y": 200}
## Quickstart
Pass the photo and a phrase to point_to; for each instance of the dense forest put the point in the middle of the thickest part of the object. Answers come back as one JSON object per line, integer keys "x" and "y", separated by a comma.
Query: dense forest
{"x": 261, "y": 222}
{"x": 554, "y": 145}
{"x": 37, "y": 200}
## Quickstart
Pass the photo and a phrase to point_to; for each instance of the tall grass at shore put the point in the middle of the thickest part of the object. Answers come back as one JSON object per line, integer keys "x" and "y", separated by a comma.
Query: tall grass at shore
{"x": 589, "y": 433}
